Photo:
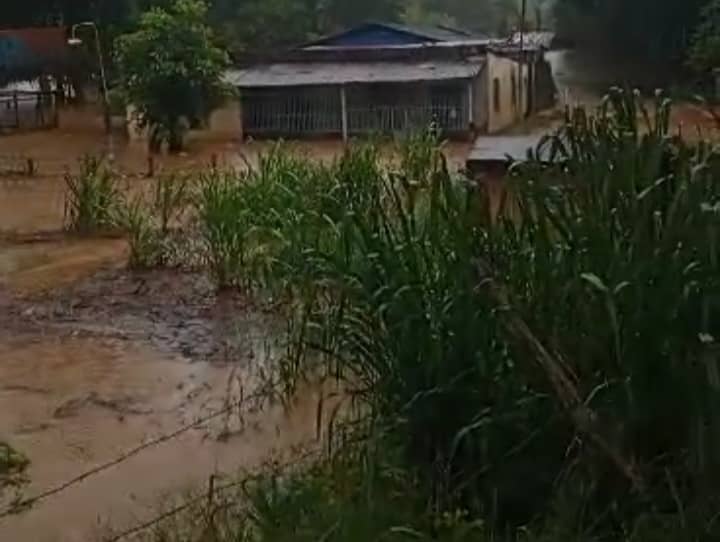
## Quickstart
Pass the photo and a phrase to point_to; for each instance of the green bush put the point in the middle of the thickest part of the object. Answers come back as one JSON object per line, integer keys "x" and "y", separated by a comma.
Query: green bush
{"x": 92, "y": 197}
{"x": 13, "y": 467}
{"x": 553, "y": 374}
{"x": 144, "y": 238}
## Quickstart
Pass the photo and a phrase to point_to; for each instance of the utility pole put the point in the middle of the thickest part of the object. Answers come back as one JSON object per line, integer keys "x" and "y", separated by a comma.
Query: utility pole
{"x": 75, "y": 41}
{"x": 524, "y": 89}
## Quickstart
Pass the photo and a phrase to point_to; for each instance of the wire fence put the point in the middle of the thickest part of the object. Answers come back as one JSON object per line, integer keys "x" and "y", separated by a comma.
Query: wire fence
{"x": 28, "y": 110}
{"x": 207, "y": 498}
{"x": 300, "y": 454}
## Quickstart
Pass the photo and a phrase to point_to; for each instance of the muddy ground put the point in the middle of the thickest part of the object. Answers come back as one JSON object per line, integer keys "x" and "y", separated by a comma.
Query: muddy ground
{"x": 96, "y": 360}
{"x": 94, "y": 366}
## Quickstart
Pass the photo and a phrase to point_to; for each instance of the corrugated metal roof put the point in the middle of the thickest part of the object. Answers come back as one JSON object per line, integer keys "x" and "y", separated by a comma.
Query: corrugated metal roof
{"x": 540, "y": 40}
{"x": 336, "y": 73}
{"x": 378, "y": 34}
{"x": 434, "y": 33}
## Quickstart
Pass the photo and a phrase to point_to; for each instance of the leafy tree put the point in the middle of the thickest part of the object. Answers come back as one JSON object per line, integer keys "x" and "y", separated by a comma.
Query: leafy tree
{"x": 171, "y": 71}
{"x": 492, "y": 17}
{"x": 704, "y": 53}
{"x": 655, "y": 31}
{"x": 257, "y": 25}
{"x": 341, "y": 14}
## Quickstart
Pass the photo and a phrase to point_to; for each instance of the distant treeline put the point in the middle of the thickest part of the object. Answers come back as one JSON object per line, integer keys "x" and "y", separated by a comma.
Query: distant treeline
{"x": 653, "y": 30}
{"x": 658, "y": 31}
{"x": 248, "y": 25}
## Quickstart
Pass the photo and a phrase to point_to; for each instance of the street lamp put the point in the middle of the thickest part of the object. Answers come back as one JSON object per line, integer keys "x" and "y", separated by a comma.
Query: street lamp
{"x": 75, "y": 41}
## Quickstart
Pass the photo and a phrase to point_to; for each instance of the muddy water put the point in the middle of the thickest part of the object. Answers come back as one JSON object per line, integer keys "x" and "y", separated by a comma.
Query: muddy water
{"x": 70, "y": 403}
{"x": 30, "y": 204}
{"x": 40, "y": 266}
{"x": 95, "y": 360}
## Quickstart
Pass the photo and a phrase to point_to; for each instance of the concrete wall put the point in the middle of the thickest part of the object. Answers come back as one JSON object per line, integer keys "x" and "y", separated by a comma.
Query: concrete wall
{"x": 480, "y": 101}
{"x": 507, "y": 111}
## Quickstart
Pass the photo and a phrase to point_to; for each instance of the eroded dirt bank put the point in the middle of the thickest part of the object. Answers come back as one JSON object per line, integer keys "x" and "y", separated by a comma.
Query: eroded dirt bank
{"x": 95, "y": 360}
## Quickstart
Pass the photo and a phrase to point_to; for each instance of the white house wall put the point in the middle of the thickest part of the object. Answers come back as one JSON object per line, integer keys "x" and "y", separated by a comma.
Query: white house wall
{"x": 510, "y": 111}
{"x": 480, "y": 102}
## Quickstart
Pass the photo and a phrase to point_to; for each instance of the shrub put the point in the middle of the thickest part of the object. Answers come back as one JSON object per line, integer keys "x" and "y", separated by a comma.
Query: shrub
{"x": 552, "y": 374}
{"x": 92, "y": 197}
{"x": 13, "y": 466}
{"x": 144, "y": 237}
{"x": 221, "y": 214}
{"x": 171, "y": 198}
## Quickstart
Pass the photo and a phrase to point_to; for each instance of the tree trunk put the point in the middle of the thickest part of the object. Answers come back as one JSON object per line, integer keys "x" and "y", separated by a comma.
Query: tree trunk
{"x": 176, "y": 136}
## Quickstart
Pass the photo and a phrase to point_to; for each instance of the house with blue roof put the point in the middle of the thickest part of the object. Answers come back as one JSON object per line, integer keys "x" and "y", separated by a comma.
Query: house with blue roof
{"x": 388, "y": 78}
{"x": 385, "y": 34}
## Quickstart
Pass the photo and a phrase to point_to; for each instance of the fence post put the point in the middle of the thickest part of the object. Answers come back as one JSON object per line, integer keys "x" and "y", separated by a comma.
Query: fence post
{"x": 344, "y": 113}
{"x": 39, "y": 108}
{"x": 55, "y": 103}
{"x": 17, "y": 110}
{"x": 150, "y": 166}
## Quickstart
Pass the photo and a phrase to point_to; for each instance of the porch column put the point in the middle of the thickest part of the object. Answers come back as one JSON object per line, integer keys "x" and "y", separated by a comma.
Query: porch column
{"x": 343, "y": 113}
{"x": 471, "y": 102}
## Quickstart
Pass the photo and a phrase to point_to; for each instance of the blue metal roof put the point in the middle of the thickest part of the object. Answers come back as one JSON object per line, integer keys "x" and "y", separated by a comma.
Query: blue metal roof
{"x": 380, "y": 34}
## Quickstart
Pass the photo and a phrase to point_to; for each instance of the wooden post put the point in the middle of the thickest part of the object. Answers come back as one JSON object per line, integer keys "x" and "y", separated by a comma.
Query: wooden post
{"x": 55, "y": 99}
{"x": 17, "y": 110}
{"x": 150, "y": 166}
{"x": 471, "y": 102}
{"x": 343, "y": 112}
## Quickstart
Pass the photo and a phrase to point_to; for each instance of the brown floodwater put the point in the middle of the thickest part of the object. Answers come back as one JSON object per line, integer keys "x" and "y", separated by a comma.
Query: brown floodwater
{"x": 95, "y": 360}
{"x": 36, "y": 203}
{"x": 39, "y": 266}
{"x": 90, "y": 368}
{"x": 70, "y": 403}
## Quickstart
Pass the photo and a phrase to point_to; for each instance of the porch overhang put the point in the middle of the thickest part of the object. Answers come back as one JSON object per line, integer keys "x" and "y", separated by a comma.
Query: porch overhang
{"x": 303, "y": 74}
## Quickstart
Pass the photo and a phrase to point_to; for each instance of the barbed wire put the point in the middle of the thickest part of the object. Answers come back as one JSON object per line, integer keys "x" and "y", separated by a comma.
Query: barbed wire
{"x": 212, "y": 491}
{"x": 22, "y": 504}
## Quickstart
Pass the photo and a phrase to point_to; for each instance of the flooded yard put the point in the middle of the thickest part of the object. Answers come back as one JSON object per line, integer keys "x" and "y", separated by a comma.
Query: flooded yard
{"x": 96, "y": 360}
{"x": 35, "y": 203}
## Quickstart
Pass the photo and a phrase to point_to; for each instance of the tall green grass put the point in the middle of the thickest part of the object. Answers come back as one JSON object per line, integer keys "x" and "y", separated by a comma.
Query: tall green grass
{"x": 151, "y": 220}
{"x": 13, "y": 467}
{"x": 555, "y": 368}
{"x": 144, "y": 238}
{"x": 92, "y": 197}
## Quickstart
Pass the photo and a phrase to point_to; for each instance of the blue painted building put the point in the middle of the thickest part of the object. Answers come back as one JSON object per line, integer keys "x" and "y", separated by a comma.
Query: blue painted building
{"x": 29, "y": 53}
